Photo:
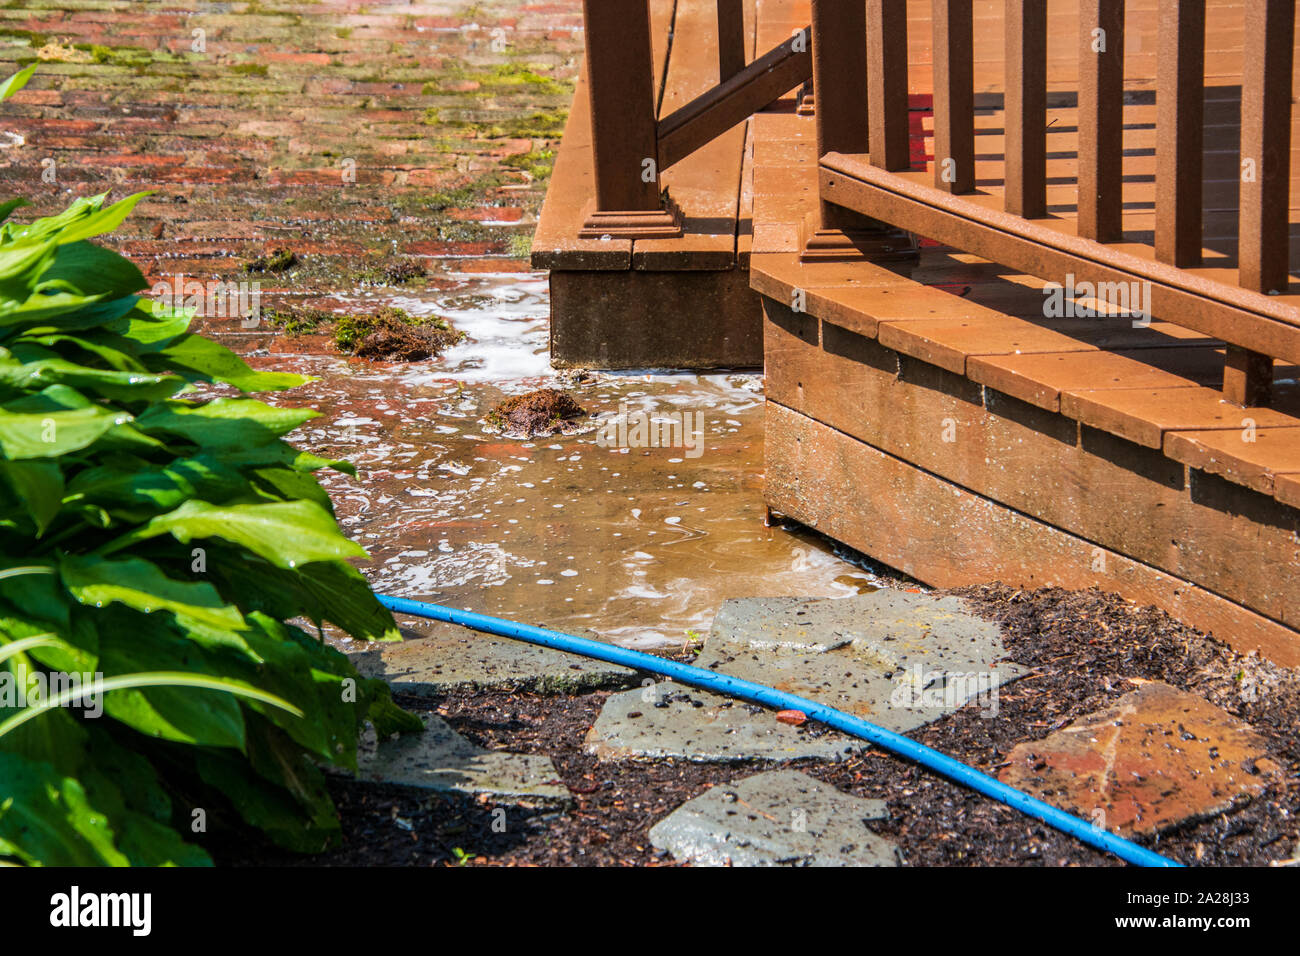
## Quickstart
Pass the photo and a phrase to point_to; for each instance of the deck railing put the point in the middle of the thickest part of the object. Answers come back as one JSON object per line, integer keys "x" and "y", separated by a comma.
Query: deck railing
{"x": 866, "y": 170}
{"x": 631, "y": 146}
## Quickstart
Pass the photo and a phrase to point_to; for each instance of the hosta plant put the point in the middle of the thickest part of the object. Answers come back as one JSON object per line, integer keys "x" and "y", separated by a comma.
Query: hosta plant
{"x": 162, "y": 549}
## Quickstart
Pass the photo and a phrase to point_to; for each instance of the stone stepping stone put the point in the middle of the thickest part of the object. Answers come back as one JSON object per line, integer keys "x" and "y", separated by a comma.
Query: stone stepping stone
{"x": 441, "y": 759}
{"x": 674, "y": 720}
{"x": 898, "y": 660}
{"x": 1155, "y": 758}
{"x": 778, "y": 818}
{"x": 455, "y": 659}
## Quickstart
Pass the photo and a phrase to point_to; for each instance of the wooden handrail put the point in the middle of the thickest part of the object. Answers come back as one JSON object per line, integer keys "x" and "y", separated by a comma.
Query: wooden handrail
{"x": 711, "y": 114}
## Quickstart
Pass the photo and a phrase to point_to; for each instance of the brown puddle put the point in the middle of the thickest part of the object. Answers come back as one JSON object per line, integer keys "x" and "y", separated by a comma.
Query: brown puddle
{"x": 639, "y": 545}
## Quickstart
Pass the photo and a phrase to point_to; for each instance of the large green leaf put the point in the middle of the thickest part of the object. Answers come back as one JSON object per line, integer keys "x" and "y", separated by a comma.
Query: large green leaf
{"x": 332, "y": 591}
{"x": 53, "y": 433}
{"x": 41, "y": 373}
{"x": 38, "y": 485}
{"x": 141, "y": 585}
{"x": 224, "y": 423}
{"x": 20, "y": 264}
{"x": 16, "y": 82}
{"x": 267, "y": 805}
{"x": 205, "y": 360}
{"x": 46, "y": 819}
{"x": 205, "y": 717}
{"x": 288, "y": 534}
{"x": 93, "y": 270}
{"x": 135, "y": 487}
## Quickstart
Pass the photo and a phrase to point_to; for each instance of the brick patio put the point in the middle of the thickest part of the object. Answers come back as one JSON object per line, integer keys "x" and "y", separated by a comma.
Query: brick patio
{"x": 345, "y": 131}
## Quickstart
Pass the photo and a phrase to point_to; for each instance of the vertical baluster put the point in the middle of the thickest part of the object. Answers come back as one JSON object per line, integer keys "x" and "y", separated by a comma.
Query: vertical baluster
{"x": 1264, "y": 247}
{"x": 1180, "y": 95}
{"x": 886, "y": 84}
{"x": 1101, "y": 119}
{"x": 954, "y": 96}
{"x": 1266, "y": 144}
{"x": 1026, "y": 108}
{"x": 623, "y": 126}
{"x": 731, "y": 38}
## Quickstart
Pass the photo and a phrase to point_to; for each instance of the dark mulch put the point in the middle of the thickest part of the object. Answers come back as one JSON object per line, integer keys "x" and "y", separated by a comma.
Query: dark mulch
{"x": 1084, "y": 647}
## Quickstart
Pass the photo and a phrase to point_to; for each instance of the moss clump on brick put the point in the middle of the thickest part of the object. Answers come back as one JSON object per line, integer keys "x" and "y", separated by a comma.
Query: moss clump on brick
{"x": 280, "y": 260}
{"x": 537, "y": 163}
{"x": 536, "y": 414}
{"x": 392, "y": 335}
{"x": 33, "y": 39}
{"x": 299, "y": 321}
{"x": 500, "y": 79}
{"x": 470, "y": 194}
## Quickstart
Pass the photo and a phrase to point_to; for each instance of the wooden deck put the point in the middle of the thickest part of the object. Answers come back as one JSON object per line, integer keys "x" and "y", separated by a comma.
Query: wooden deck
{"x": 932, "y": 415}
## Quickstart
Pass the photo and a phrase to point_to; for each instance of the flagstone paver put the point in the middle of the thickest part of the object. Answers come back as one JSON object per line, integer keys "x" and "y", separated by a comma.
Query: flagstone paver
{"x": 1155, "y": 758}
{"x": 454, "y": 659}
{"x": 441, "y": 759}
{"x": 899, "y": 660}
{"x": 672, "y": 720}
{"x": 778, "y": 818}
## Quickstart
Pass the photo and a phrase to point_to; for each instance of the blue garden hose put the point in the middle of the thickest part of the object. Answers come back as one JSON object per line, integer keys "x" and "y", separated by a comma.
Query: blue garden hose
{"x": 759, "y": 694}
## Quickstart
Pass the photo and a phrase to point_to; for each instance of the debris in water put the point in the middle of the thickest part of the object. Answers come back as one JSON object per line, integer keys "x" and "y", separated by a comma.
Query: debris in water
{"x": 394, "y": 336}
{"x": 536, "y": 414}
{"x": 575, "y": 377}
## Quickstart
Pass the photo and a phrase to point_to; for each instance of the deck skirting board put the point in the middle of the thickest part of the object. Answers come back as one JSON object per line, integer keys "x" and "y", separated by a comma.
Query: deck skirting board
{"x": 947, "y": 536}
{"x": 1100, "y": 487}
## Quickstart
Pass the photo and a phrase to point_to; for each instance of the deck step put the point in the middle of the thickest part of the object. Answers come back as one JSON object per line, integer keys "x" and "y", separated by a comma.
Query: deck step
{"x": 1151, "y": 386}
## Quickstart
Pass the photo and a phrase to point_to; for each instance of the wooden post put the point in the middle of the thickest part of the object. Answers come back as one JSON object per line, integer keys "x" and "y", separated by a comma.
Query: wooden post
{"x": 839, "y": 47}
{"x": 954, "y": 96}
{"x": 1101, "y": 119}
{"x": 620, "y": 83}
{"x": 1264, "y": 227}
{"x": 731, "y": 38}
{"x": 887, "y": 84}
{"x": 1180, "y": 98}
{"x": 1026, "y": 108}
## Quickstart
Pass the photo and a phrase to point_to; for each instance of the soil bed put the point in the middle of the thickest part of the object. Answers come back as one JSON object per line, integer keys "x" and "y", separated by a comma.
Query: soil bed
{"x": 1086, "y": 649}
